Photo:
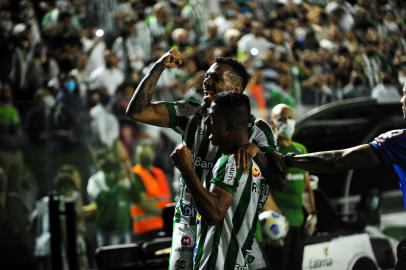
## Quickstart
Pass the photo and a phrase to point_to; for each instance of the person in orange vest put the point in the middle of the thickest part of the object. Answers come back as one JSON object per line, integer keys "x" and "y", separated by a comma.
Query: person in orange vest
{"x": 147, "y": 214}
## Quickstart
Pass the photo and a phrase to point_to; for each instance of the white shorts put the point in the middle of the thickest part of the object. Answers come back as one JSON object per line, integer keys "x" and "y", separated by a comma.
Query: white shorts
{"x": 183, "y": 244}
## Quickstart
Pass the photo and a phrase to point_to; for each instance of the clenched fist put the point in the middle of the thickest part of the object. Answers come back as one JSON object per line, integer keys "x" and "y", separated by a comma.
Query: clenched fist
{"x": 182, "y": 157}
{"x": 171, "y": 59}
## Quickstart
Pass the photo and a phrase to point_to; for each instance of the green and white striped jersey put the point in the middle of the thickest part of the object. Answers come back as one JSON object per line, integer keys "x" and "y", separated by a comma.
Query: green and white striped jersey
{"x": 225, "y": 245}
{"x": 186, "y": 118}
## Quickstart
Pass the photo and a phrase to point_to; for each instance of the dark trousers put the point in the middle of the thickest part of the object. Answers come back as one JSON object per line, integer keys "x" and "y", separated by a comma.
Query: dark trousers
{"x": 290, "y": 255}
{"x": 401, "y": 250}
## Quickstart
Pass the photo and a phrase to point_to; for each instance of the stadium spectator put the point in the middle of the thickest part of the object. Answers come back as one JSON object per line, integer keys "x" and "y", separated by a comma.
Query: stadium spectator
{"x": 11, "y": 139}
{"x": 109, "y": 76}
{"x": 112, "y": 193}
{"x": 290, "y": 199}
{"x": 16, "y": 239}
{"x": 385, "y": 89}
{"x": 129, "y": 53}
{"x": 153, "y": 191}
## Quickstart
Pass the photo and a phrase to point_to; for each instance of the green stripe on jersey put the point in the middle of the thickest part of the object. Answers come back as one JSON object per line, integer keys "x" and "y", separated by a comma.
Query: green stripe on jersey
{"x": 170, "y": 106}
{"x": 238, "y": 220}
{"x": 211, "y": 264}
{"x": 266, "y": 129}
{"x": 190, "y": 132}
{"x": 200, "y": 247}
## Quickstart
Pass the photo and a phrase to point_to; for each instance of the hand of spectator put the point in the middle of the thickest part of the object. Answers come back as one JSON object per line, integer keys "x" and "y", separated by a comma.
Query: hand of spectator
{"x": 310, "y": 225}
{"x": 245, "y": 154}
{"x": 171, "y": 59}
{"x": 182, "y": 158}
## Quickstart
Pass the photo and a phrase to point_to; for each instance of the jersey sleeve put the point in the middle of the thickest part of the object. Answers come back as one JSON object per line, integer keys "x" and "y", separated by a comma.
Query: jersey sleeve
{"x": 391, "y": 146}
{"x": 225, "y": 174}
{"x": 261, "y": 134}
{"x": 180, "y": 112}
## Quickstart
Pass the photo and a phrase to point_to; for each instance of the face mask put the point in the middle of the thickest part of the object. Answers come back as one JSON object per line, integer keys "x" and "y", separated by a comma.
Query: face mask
{"x": 286, "y": 128}
{"x": 146, "y": 161}
{"x": 49, "y": 101}
{"x": 70, "y": 85}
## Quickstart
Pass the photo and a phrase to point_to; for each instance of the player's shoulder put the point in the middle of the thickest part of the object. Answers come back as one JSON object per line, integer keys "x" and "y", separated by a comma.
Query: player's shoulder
{"x": 258, "y": 123}
{"x": 186, "y": 107}
{"x": 299, "y": 147}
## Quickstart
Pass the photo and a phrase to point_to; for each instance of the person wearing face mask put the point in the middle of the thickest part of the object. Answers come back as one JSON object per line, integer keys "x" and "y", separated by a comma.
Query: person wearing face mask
{"x": 113, "y": 193}
{"x": 289, "y": 201}
{"x": 12, "y": 139}
{"x": 154, "y": 193}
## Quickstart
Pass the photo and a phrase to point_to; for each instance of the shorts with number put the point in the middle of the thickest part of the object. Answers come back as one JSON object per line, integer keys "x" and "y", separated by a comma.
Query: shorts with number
{"x": 183, "y": 244}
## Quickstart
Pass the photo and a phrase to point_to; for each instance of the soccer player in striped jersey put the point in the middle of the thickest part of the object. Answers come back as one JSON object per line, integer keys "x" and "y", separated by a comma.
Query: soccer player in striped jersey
{"x": 230, "y": 201}
{"x": 187, "y": 118}
{"x": 387, "y": 148}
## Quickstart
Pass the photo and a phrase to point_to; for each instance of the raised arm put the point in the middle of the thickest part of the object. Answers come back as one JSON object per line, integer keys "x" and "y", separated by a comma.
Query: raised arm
{"x": 140, "y": 107}
{"x": 357, "y": 157}
{"x": 213, "y": 204}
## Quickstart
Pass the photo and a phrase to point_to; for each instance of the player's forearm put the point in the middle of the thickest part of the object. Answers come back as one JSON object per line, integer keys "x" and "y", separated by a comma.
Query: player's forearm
{"x": 145, "y": 90}
{"x": 319, "y": 162}
{"x": 357, "y": 157}
{"x": 207, "y": 204}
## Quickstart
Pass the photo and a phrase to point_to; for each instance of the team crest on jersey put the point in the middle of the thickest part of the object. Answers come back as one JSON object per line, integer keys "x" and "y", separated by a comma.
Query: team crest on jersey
{"x": 255, "y": 171}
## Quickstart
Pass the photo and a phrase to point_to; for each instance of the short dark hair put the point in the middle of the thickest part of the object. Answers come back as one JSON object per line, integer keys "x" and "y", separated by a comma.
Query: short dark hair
{"x": 237, "y": 67}
{"x": 64, "y": 181}
{"x": 235, "y": 107}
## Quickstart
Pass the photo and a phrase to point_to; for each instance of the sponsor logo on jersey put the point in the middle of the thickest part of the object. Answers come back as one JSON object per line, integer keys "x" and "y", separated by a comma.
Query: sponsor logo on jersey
{"x": 204, "y": 164}
{"x": 188, "y": 210}
{"x": 295, "y": 177}
{"x": 231, "y": 171}
{"x": 185, "y": 249}
{"x": 201, "y": 130}
{"x": 255, "y": 171}
{"x": 186, "y": 240}
{"x": 262, "y": 189}
{"x": 250, "y": 259}
{"x": 180, "y": 264}
{"x": 241, "y": 267}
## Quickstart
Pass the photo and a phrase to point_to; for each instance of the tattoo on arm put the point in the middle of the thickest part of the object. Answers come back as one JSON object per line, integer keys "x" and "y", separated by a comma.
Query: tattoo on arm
{"x": 145, "y": 90}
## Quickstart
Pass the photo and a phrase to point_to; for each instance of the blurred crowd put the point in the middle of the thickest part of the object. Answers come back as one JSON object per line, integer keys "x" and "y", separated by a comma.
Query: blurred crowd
{"x": 70, "y": 67}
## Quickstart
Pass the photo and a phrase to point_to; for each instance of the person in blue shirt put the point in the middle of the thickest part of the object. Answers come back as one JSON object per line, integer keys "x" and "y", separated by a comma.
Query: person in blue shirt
{"x": 389, "y": 147}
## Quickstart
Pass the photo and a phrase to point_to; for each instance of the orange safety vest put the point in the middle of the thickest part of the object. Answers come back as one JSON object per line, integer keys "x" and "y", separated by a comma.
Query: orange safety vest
{"x": 157, "y": 190}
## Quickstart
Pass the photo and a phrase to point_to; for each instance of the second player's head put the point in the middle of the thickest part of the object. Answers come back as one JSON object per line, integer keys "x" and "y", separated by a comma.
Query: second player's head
{"x": 226, "y": 74}
{"x": 228, "y": 118}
